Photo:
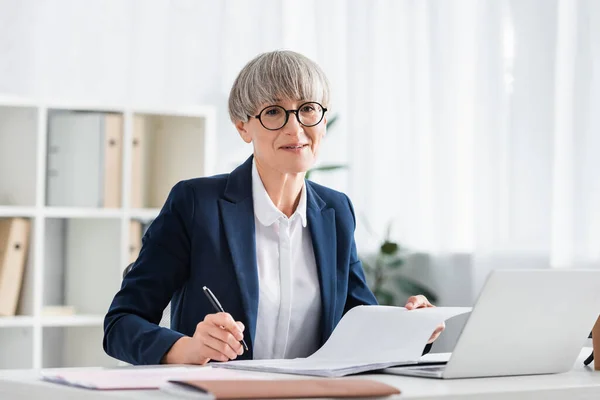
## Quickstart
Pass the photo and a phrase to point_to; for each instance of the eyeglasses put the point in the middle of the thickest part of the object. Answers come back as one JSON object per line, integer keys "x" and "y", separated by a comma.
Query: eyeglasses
{"x": 275, "y": 117}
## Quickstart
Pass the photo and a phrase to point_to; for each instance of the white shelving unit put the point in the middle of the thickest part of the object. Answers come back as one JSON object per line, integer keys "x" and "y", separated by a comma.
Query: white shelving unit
{"x": 77, "y": 254}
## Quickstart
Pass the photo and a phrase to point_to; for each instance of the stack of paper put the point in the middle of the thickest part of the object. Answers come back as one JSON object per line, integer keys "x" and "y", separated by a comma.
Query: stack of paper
{"x": 367, "y": 338}
{"x": 136, "y": 378}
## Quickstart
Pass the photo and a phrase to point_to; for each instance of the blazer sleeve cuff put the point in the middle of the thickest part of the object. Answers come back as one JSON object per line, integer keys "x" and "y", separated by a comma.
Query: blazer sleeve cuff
{"x": 166, "y": 340}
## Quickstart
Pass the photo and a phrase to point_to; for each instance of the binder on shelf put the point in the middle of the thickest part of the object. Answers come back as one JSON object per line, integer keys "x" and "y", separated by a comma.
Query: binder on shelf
{"x": 135, "y": 240}
{"x": 113, "y": 151}
{"x": 14, "y": 244}
{"x": 137, "y": 162}
{"x": 84, "y": 159}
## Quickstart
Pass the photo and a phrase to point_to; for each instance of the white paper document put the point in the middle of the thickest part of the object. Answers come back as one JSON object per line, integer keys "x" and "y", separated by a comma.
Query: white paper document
{"x": 366, "y": 338}
{"x": 123, "y": 378}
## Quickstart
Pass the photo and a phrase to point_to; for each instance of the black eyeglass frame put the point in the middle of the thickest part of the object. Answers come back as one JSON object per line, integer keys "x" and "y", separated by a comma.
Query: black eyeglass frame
{"x": 287, "y": 115}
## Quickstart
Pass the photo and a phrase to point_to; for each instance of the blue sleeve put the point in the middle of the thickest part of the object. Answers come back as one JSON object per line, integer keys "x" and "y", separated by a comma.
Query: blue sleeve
{"x": 131, "y": 331}
{"x": 358, "y": 290}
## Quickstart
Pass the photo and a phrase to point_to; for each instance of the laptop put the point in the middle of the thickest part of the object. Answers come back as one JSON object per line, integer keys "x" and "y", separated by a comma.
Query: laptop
{"x": 524, "y": 322}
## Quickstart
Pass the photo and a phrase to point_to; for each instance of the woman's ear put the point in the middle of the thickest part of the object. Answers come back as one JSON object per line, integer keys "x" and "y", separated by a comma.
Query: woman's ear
{"x": 243, "y": 131}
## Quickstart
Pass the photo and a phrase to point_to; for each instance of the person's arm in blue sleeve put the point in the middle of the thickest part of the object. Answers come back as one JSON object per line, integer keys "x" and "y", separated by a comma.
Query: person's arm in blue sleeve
{"x": 131, "y": 331}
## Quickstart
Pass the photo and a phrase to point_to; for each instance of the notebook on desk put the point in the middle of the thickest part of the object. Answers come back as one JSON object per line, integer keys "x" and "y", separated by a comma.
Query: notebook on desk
{"x": 279, "y": 389}
{"x": 367, "y": 338}
{"x": 136, "y": 378}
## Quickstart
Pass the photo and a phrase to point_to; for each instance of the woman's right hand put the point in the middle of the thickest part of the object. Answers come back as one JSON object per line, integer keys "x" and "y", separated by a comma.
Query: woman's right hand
{"x": 216, "y": 338}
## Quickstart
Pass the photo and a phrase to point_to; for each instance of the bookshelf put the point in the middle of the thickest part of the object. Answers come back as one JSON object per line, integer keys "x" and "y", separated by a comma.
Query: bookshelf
{"x": 77, "y": 254}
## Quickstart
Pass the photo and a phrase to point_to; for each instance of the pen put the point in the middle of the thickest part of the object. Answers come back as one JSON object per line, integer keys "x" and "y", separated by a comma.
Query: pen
{"x": 213, "y": 300}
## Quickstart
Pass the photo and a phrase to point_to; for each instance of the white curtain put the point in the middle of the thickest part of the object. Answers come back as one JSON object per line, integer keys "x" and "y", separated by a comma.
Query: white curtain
{"x": 473, "y": 125}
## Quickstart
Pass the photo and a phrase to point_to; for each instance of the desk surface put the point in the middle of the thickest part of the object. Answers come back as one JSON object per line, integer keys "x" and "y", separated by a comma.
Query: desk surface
{"x": 581, "y": 383}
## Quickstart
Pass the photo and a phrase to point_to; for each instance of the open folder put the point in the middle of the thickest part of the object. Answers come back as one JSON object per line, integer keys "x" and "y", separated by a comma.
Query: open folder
{"x": 367, "y": 338}
{"x": 137, "y": 378}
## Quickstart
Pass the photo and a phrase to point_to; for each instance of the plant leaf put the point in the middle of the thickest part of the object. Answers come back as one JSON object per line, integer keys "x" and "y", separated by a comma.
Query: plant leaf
{"x": 331, "y": 167}
{"x": 389, "y": 247}
{"x": 331, "y": 121}
{"x": 413, "y": 288}
{"x": 324, "y": 168}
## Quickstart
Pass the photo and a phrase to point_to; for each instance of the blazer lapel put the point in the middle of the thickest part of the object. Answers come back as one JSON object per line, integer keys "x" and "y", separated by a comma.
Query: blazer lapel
{"x": 321, "y": 223}
{"x": 237, "y": 212}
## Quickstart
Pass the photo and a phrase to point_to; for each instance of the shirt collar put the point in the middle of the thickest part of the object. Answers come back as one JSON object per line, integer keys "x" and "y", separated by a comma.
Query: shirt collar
{"x": 264, "y": 209}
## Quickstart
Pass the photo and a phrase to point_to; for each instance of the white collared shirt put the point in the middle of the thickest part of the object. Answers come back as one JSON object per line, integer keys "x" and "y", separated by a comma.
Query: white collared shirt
{"x": 289, "y": 303}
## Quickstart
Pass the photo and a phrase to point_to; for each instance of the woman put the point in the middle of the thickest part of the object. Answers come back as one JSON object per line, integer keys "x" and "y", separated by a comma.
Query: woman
{"x": 277, "y": 251}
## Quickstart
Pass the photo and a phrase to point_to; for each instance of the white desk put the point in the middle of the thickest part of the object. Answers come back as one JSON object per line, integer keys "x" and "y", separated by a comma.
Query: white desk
{"x": 580, "y": 383}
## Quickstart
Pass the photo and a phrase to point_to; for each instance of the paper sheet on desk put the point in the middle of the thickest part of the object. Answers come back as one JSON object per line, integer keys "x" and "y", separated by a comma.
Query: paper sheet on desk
{"x": 136, "y": 378}
{"x": 367, "y": 338}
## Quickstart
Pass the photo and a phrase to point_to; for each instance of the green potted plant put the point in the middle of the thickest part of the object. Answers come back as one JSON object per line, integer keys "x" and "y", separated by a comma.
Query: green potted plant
{"x": 383, "y": 272}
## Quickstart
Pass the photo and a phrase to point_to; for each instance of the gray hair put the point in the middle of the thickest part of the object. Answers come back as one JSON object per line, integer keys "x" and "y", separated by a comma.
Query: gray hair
{"x": 273, "y": 76}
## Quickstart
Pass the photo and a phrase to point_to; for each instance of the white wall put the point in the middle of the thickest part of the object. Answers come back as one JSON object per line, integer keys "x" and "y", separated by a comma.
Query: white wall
{"x": 166, "y": 53}
{"x": 158, "y": 52}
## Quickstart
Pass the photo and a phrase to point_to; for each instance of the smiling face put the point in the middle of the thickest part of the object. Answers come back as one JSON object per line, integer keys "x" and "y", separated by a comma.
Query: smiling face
{"x": 289, "y": 80}
{"x": 291, "y": 149}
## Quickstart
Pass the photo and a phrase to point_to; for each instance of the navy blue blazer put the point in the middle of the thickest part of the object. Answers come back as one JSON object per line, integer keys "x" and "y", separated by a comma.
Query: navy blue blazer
{"x": 205, "y": 236}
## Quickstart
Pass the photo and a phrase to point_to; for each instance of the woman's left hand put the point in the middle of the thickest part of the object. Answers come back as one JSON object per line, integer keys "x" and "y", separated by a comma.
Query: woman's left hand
{"x": 421, "y": 301}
